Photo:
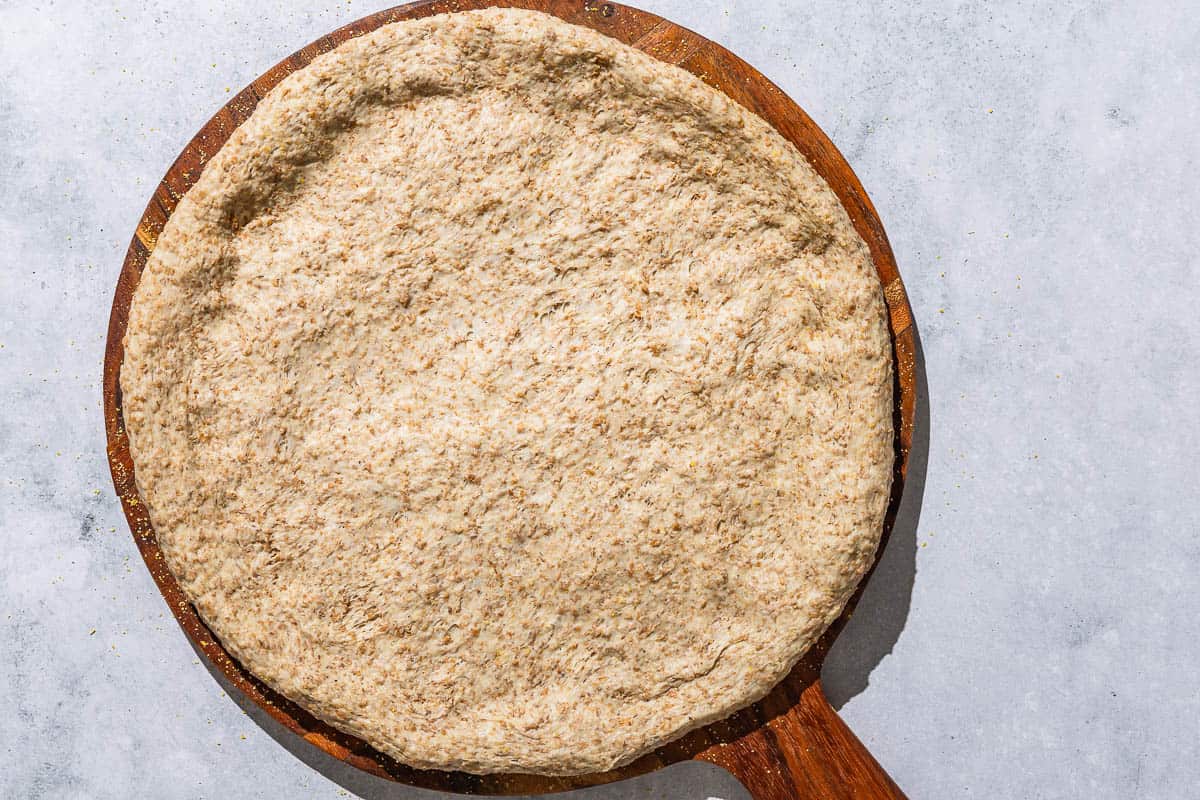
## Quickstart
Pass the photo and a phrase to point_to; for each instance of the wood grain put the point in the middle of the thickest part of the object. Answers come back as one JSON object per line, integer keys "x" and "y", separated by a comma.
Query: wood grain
{"x": 791, "y": 744}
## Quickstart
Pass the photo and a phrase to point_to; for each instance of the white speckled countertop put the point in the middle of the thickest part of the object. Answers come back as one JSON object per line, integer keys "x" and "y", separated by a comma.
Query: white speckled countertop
{"x": 1033, "y": 630}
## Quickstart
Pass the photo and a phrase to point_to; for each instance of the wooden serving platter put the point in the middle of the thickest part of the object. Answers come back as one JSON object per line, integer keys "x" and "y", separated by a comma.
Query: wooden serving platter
{"x": 791, "y": 744}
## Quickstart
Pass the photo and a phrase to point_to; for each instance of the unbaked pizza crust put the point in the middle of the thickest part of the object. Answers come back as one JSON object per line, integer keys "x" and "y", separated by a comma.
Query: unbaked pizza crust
{"x": 510, "y": 399}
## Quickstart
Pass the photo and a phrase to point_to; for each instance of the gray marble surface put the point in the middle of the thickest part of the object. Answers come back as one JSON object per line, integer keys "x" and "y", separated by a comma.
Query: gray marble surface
{"x": 1034, "y": 629}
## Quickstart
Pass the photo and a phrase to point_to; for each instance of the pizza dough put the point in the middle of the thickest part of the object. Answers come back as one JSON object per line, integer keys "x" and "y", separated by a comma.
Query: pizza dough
{"x": 510, "y": 399}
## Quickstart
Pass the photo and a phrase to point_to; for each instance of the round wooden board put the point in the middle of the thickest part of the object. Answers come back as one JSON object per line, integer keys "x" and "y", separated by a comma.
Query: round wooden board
{"x": 791, "y": 743}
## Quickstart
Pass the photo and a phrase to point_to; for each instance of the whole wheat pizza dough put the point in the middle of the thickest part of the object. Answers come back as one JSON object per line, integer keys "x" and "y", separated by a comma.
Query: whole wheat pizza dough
{"x": 510, "y": 399}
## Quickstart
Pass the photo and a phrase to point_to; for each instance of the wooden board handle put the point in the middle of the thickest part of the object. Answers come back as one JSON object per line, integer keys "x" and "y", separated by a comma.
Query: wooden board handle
{"x": 805, "y": 752}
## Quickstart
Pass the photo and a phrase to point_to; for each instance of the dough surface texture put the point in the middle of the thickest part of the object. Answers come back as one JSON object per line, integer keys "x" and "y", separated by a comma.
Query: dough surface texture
{"x": 510, "y": 399}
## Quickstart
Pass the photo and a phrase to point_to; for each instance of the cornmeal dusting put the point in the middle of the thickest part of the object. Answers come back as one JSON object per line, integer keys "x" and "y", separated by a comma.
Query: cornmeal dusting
{"x": 510, "y": 399}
